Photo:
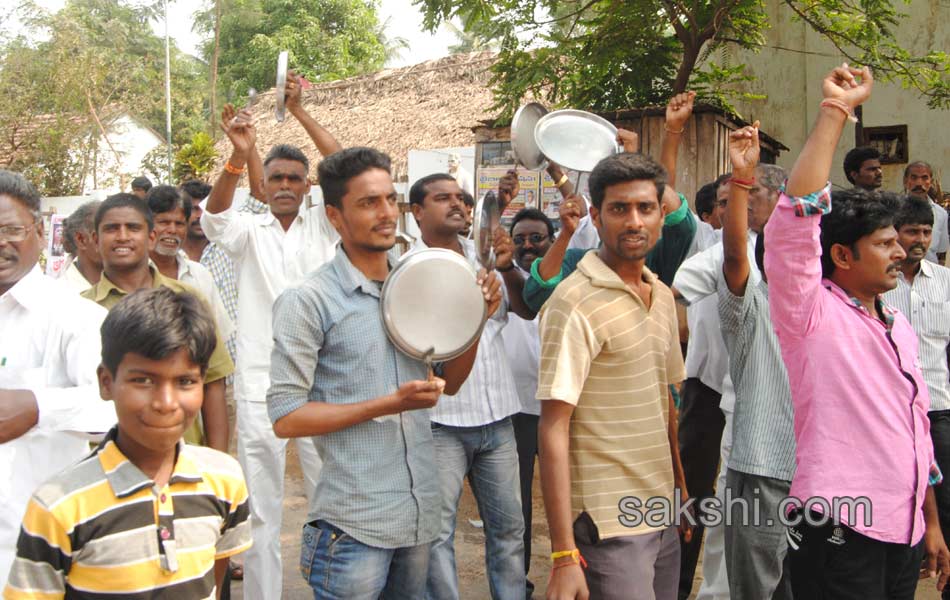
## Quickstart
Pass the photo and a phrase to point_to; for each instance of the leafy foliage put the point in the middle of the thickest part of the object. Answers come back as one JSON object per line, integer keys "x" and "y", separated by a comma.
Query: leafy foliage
{"x": 195, "y": 159}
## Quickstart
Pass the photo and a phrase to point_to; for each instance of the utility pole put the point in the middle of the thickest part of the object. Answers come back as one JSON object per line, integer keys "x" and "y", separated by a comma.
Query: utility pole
{"x": 168, "y": 98}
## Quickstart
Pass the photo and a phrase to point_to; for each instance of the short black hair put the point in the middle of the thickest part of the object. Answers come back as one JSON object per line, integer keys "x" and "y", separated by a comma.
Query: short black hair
{"x": 918, "y": 163}
{"x": 16, "y": 186}
{"x": 166, "y": 198}
{"x": 913, "y": 210}
{"x": 724, "y": 178}
{"x": 856, "y": 157}
{"x": 336, "y": 171}
{"x": 287, "y": 152}
{"x": 706, "y": 199}
{"x": 81, "y": 219}
{"x": 124, "y": 200}
{"x": 156, "y": 323}
{"x": 532, "y": 214}
{"x": 198, "y": 190}
{"x": 142, "y": 183}
{"x": 418, "y": 191}
{"x": 468, "y": 199}
{"x": 854, "y": 214}
{"x": 771, "y": 177}
{"x": 623, "y": 167}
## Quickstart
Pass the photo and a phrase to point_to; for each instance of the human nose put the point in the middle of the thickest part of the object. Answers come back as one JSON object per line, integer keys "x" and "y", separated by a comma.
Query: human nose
{"x": 164, "y": 398}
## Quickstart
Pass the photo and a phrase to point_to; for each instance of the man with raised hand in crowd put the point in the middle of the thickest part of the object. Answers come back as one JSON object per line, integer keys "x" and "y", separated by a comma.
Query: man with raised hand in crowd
{"x": 472, "y": 430}
{"x": 609, "y": 353}
{"x": 336, "y": 376}
{"x": 271, "y": 252}
{"x": 923, "y": 296}
{"x": 49, "y": 350}
{"x": 859, "y": 395}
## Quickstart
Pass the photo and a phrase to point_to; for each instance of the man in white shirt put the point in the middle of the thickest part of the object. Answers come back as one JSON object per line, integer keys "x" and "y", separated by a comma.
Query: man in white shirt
{"x": 532, "y": 233}
{"x": 85, "y": 264}
{"x": 270, "y": 252}
{"x": 472, "y": 430}
{"x": 49, "y": 351}
{"x": 918, "y": 179}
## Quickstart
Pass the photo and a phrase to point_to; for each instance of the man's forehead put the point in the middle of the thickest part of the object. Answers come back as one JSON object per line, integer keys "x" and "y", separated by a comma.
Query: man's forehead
{"x": 529, "y": 225}
{"x": 122, "y": 214}
{"x": 920, "y": 170}
{"x": 443, "y": 186}
{"x": 177, "y": 213}
{"x": 285, "y": 165}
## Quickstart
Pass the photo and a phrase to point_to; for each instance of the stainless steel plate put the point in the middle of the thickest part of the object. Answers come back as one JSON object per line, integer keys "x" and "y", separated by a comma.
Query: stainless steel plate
{"x": 522, "y": 136}
{"x": 431, "y": 301}
{"x": 280, "y": 92}
{"x": 575, "y": 139}
{"x": 487, "y": 218}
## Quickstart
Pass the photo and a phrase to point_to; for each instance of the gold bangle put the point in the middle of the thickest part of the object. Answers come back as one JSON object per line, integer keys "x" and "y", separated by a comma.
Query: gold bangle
{"x": 668, "y": 130}
{"x": 232, "y": 169}
{"x": 561, "y": 181}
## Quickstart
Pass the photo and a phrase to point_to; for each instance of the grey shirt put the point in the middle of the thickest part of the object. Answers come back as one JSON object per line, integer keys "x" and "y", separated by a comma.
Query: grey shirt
{"x": 380, "y": 481}
{"x": 763, "y": 441}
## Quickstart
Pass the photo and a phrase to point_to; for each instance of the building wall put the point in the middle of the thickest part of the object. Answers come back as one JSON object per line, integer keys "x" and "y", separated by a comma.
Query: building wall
{"x": 790, "y": 71}
{"x": 132, "y": 142}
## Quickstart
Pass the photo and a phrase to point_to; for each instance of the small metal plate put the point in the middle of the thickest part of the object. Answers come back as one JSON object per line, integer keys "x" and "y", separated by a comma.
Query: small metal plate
{"x": 487, "y": 218}
{"x": 431, "y": 302}
{"x": 575, "y": 139}
{"x": 525, "y": 148}
{"x": 280, "y": 92}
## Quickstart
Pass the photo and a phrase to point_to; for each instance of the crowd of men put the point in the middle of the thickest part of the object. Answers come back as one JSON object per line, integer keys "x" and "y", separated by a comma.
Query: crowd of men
{"x": 816, "y": 368}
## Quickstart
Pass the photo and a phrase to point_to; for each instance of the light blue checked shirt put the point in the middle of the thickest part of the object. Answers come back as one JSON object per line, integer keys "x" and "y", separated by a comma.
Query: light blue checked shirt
{"x": 379, "y": 482}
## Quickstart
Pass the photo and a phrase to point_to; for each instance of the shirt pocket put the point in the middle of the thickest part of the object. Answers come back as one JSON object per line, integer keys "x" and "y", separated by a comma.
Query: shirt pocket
{"x": 935, "y": 318}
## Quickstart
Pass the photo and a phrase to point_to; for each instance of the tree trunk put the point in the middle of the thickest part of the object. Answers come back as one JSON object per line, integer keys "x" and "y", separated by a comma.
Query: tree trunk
{"x": 214, "y": 66}
{"x": 687, "y": 64}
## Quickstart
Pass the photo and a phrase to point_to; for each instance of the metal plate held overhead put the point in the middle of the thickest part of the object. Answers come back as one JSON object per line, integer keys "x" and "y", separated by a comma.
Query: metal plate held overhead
{"x": 576, "y": 139}
{"x": 487, "y": 218}
{"x": 432, "y": 305}
{"x": 280, "y": 92}
{"x": 522, "y": 136}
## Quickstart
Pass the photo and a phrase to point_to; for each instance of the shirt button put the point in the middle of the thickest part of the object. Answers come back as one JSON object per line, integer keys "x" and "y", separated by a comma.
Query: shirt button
{"x": 162, "y": 498}
{"x": 164, "y": 533}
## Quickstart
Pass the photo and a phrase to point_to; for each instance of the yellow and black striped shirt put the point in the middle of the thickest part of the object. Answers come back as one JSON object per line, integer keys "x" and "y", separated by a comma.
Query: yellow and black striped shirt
{"x": 103, "y": 529}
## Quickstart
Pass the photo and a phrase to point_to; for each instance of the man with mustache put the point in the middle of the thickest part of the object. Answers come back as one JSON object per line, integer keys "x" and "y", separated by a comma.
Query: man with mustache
{"x": 609, "y": 353}
{"x": 124, "y": 233}
{"x": 532, "y": 233}
{"x": 923, "y": 296}
{"x": 472, "y": 430}
{"x": 862, "y": 167}
{"x": 859, "y": 395}
{"x": 270, "y": 252}
{"x": 918, "y": 180}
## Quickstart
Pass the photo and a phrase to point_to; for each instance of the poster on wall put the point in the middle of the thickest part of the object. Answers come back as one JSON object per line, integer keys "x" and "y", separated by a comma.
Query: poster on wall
{"x": 55, "y": 253}
{"x": 529, "y": 193}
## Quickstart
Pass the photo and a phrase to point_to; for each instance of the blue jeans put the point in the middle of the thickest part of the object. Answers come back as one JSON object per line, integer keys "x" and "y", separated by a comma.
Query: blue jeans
{"x": 488, "y": 455}
{"x": 337, "y": 567}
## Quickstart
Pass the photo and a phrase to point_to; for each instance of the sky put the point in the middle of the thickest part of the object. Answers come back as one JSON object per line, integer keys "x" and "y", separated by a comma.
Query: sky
{"x": 405, "y": 20}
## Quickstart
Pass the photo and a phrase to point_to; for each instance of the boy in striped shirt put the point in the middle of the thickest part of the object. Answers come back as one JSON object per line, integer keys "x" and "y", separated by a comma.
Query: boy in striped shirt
{"x": 144, "y": 515}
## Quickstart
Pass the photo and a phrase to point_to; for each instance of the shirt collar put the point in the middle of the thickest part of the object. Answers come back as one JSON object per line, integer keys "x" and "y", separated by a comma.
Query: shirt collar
{"x": 601, "y": 275}
{"x": 268, "y": 218}
{"x": 468, "y": 246}
{"x": 351, "y": 278}
{"x": 926, "y": 268}
{"x": 105, "y": 287}
{"x": 27, "y": 292}
{"x": 882, "y": 307}
{"x": 126, "y": 479}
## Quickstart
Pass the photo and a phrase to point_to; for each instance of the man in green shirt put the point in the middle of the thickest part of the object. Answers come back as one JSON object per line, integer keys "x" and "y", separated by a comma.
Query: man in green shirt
{"x": 124, "y": 232}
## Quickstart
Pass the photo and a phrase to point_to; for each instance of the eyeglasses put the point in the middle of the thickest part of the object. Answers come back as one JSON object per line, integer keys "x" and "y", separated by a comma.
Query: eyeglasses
{"x": 536, "y": 238}
{"x": 15, "y": 233}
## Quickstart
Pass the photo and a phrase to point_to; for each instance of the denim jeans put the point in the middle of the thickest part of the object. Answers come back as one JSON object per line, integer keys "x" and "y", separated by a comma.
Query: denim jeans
{"x": 337, "y": 567}
{"x": 488, "y": 455}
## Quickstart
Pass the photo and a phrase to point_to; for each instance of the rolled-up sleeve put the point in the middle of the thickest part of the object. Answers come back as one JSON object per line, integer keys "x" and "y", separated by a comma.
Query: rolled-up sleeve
{"x": 298, "y": 338}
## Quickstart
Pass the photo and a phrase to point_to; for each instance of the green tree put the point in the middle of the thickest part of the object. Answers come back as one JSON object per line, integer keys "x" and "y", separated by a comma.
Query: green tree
{"x": 326, "y": 39}
{"x": 613, "y": 54}
{"x": 195, "y": 159}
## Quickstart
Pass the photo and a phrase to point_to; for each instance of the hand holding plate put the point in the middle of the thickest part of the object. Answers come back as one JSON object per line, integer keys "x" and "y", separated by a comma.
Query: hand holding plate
{"x": 491, "y": 289}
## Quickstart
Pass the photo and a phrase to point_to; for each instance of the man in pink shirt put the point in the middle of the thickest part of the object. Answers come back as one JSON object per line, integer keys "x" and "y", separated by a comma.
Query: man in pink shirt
{"x": 858, "y": 392}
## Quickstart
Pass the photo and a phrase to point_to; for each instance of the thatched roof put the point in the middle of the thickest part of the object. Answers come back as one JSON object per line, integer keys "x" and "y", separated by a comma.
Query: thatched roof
{"x": 434, "y": 104}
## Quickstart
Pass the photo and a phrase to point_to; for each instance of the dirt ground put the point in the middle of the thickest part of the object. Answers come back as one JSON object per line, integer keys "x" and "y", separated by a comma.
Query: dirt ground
{"x": 469, "y": 545}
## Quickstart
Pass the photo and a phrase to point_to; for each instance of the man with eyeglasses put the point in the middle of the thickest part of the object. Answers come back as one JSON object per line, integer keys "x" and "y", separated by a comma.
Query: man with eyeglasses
{"x": 532, "y": 234}
{"x": 49, "y": 351}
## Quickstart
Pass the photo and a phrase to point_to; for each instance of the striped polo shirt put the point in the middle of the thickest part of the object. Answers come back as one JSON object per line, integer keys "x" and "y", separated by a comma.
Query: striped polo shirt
{"x": 606, "y": 353}
{"x": 103, "y": 529}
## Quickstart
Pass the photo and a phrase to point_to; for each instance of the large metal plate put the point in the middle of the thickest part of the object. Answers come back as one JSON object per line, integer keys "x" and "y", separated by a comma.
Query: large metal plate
{"x": 431, "y": 301}
{"x": 280, "y": 92}
{"x": 522, "y": 136}
{"x": 575, "y": 139}
{"x": 487, "y": 218}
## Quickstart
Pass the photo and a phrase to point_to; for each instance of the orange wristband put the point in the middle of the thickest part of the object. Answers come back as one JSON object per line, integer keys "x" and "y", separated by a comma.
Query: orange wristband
{"x": 232, "y": 169}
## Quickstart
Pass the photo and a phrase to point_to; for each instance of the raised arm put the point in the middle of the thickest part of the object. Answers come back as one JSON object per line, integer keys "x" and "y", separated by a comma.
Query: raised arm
{"x": 744, "y": 154}
{"x": 793, "y": 243}
{"x": 566, "y": 188}
{"x": 322, "y": 138}
{"x": 678, "y": 112}
{"x": 240, "y": 130}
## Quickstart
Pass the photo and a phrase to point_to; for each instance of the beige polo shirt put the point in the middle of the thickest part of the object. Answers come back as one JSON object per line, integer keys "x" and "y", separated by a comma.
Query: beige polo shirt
{"x": 604, "y": 352}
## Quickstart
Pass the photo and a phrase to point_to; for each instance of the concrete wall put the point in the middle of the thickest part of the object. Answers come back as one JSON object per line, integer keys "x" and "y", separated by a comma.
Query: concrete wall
{"x": 790, "y": 70}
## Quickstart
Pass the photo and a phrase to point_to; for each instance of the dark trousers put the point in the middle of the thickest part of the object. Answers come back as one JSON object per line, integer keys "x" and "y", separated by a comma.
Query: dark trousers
{"x": 940, "y": 433}
{"x": 526, "y": 436}
{"x": 700, "y": 433}
{"x": 834, "y": 562}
